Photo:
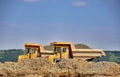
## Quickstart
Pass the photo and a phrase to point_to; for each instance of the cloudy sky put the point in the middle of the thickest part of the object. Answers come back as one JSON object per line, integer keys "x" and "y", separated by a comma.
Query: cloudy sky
{"x": 92, "y": 22}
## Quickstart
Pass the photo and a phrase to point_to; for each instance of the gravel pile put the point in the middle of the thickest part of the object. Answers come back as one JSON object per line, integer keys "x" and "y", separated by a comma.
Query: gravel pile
{"x": 41, "y": 67}
{"x": 107, "y": 68}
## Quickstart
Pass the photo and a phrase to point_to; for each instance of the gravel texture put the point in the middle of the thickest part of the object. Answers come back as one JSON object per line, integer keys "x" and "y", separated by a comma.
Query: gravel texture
{"x": 41, "y": 67}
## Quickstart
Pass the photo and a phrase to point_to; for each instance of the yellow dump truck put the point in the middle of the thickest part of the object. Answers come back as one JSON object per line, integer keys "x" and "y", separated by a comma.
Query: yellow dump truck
{"x": 67, "y": 50}
{"x": 34, "y": 51}
{"x": 62, "y": 50}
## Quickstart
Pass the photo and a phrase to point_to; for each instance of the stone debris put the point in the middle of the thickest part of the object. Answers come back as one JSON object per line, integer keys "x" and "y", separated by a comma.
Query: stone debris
{"x": 41, "y": 67}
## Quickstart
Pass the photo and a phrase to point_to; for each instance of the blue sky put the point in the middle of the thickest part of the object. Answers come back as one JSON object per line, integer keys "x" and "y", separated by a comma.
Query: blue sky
{"x": 92, "y": 22}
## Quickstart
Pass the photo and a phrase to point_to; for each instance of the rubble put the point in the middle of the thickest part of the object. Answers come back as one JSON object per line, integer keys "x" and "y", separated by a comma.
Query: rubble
{"x": 41, "y": 67}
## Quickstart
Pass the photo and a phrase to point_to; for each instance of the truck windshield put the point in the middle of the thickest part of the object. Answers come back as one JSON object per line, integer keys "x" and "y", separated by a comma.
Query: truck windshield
{"x": 27, "y": 50}
{"x": 57, "y": 49}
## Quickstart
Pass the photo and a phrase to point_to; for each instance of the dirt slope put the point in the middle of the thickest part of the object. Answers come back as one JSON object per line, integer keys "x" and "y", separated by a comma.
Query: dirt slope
{"x": 41, "y": 67}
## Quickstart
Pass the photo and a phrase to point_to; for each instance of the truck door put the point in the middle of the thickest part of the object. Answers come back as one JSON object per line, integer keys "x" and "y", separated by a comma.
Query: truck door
{"x": 65, "y": 52}
{"x": 34, "y": 52}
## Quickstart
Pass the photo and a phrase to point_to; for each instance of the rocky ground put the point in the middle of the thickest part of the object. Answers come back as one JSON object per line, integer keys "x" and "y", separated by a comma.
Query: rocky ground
{"x": 41, "y": 67}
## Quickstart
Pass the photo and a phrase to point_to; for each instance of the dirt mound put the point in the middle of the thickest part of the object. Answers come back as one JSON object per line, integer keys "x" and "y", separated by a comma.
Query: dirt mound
{"x": 41, "y": 67}
{"x": 106, "y": 68}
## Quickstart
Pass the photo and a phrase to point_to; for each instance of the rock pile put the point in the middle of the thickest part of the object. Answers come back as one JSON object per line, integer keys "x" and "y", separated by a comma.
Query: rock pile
{"x": 41, "y": 67}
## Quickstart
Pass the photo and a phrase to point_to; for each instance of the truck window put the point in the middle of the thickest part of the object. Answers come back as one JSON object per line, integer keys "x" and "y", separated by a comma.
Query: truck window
{"x": 64, "y": 50}
{"x": 58, "y": 49}
{"x": 27, "y": 50}
{"x": 32, "y": 51}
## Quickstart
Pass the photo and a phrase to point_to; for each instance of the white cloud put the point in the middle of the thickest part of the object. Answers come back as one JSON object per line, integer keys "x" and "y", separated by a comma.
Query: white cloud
{"x": 31, "y": 0}
{"x": 79, "y": 3}
{"x": 35, "y": 0}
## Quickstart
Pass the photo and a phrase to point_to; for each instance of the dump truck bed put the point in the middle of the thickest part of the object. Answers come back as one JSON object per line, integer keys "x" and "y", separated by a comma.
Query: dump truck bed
{"x": 88, "y": 53}
{"x": 46, "y": 53}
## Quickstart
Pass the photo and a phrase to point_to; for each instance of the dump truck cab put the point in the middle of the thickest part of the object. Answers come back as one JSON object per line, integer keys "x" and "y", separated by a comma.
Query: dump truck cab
{"x": 62, "y": 50}
{"x": 34, "y": 51}
{"x": 31, "y": 51}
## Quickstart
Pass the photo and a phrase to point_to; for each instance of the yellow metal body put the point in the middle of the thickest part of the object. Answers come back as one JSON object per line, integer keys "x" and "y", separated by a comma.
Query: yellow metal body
{"x": 32, "y": 51}
{"x": 59, "y": 52}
